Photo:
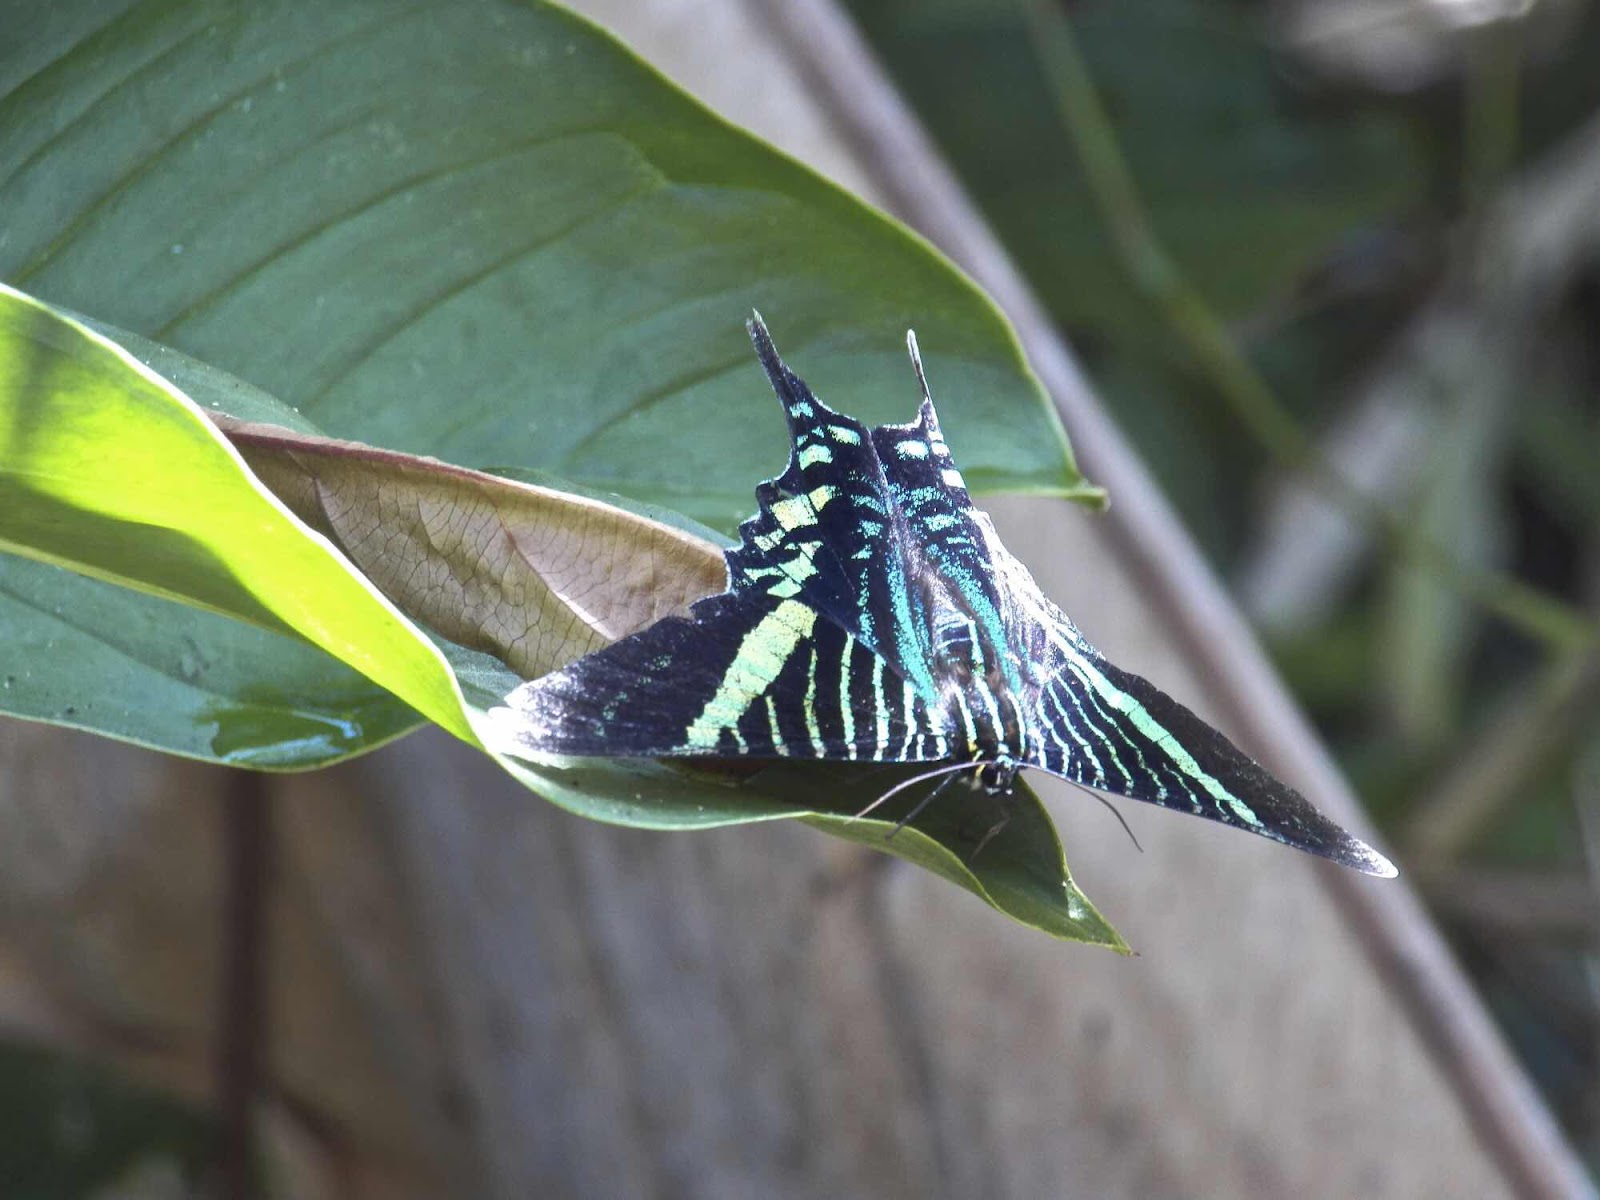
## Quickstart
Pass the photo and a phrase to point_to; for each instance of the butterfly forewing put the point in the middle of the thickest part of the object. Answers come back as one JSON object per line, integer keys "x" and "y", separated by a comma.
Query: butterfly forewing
{"x": 744, "y": 675}
{"x": 829, "y": 532}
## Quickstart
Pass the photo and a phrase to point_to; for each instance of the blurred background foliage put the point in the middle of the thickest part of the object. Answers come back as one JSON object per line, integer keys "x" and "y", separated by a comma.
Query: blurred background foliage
{"x": 1333, "y": 267}
{"x": 73, "y": 1128}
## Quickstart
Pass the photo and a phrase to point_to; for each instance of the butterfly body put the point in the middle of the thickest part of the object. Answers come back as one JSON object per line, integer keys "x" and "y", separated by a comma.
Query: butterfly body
{"x": 872, "y": 614}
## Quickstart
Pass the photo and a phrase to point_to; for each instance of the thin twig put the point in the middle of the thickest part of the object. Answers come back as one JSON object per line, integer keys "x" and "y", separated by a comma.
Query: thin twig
{"x": 1231, "y": 374}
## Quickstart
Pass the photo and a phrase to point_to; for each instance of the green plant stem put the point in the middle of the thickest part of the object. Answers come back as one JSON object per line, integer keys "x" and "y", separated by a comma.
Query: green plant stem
{"x": 1234, "y": 377}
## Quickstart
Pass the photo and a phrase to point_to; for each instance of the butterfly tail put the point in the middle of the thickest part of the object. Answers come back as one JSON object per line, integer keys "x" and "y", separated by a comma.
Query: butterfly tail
{"x": 1113, "y": 730}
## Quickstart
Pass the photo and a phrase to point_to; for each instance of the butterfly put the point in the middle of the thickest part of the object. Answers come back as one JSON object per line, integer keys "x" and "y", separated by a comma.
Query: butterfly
{"x": 872, "y": 615}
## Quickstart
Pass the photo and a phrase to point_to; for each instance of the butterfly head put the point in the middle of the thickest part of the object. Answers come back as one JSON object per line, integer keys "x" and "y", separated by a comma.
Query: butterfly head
{"x": 998, "y": 775}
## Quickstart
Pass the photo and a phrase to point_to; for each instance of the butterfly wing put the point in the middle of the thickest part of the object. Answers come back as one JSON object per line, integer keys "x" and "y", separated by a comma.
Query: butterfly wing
{"x": 744, "y": 675}
{"x": 1107, "y": 728}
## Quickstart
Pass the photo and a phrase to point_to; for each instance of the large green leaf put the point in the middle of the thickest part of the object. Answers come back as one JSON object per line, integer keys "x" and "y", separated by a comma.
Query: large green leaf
{"x": 481, "y": 230}
{"x": 108, "y": 469}
{"x": 95, "y": 656}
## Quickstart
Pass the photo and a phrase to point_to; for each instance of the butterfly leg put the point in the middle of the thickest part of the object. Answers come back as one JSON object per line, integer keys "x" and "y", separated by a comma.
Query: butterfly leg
{"x": 922, "y": 804}
{"x": 949, "y": 769}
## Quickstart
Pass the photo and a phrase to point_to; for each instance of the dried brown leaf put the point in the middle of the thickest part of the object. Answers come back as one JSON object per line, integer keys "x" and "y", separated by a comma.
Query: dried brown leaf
{"x": 534, "y": 576}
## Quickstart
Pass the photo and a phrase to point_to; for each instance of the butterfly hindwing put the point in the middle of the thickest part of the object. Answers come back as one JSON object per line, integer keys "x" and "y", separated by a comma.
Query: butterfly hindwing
{"x": 1110, "y": 729}
{"x": 744, "y": 675}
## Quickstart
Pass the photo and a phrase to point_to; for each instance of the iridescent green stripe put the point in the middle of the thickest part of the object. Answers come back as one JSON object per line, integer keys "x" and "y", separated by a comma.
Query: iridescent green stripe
{"x": 761, "y": 656}
{"x": 1158, "y": 734}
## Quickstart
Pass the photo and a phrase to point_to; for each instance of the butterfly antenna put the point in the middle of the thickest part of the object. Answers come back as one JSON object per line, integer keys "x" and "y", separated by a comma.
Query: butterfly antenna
{"x": 1112, "y": 808}
{"x": 916, "y": 363}
{"x": 945, "y": 769}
